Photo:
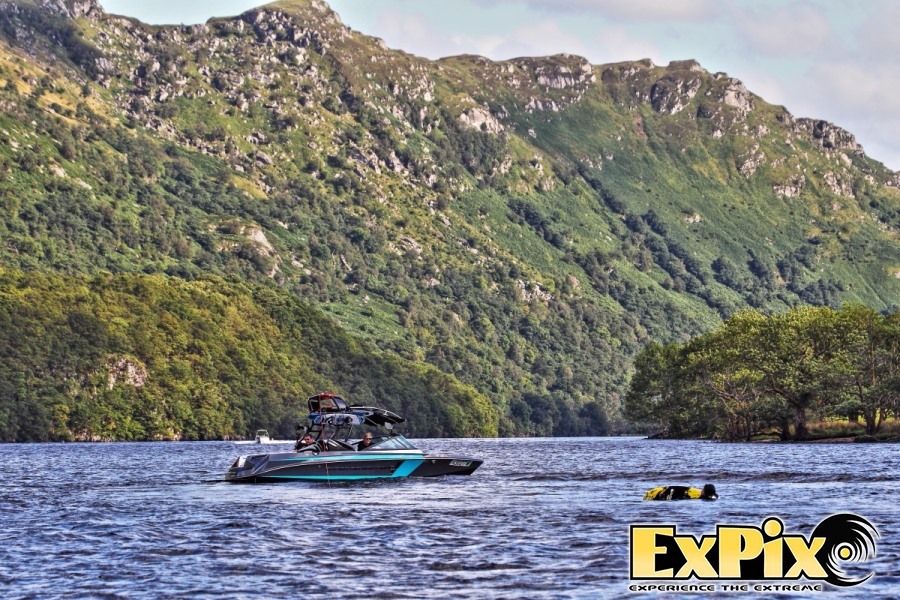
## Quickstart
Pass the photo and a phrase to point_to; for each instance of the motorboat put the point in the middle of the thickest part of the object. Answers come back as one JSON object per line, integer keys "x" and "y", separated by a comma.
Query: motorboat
{"x": 262, "y": 437}
{"x": 324, "y": 452}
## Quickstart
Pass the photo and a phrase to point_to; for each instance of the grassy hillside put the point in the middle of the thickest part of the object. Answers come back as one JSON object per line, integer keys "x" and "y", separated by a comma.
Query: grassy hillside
{"x": 523, "y": 227}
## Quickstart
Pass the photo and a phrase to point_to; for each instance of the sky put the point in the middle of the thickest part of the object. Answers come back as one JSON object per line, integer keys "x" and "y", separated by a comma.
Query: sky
{"x": 835, "y": 60}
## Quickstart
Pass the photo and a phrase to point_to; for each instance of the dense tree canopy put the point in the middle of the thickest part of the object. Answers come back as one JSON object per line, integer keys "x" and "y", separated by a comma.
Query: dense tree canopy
{"x": 756, "y": 373}
{"x": 136, "y": 357}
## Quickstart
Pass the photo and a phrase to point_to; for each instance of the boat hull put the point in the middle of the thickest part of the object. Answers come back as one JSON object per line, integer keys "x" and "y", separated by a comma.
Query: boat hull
{"x": 345, "y": 466}
{"x": 436, "y": 466}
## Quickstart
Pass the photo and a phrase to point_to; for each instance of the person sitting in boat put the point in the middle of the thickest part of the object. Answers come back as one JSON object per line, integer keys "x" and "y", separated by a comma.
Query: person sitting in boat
{"x": 682, "y": 492}
{"x": 365, "y": 442}
{"x": 305, "y": 442}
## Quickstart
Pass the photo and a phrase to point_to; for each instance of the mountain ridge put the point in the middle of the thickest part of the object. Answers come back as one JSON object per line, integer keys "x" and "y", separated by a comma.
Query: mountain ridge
{"x": 523, "y": 225}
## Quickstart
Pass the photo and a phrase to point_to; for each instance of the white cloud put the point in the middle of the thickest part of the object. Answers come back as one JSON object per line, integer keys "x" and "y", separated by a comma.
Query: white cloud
{"x": 413, "y": 33}
{"x": 485, "y": 45}
{"x": 617, "y": 44}
{"x": 850, "y": 86}
{"x": 542, "y": 38}
{"x": 850, "y": 95}
{"x": 791, "y": 30}
{"x": 178, "y": 11}
{"x": 878, "y": 35}
{"x": 771, "y": 88}
{"x": 626, "y": 10}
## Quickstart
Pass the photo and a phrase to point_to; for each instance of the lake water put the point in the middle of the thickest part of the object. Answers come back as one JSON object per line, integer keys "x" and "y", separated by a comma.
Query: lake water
{"x": 542, "y": 518}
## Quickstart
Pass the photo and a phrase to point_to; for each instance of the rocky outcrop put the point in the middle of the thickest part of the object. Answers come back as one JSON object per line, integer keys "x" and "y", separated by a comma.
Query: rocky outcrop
{"x": 552, "y": 83}
{"x": 826, "y": 135}
{"x": 733, "y": 93}
{"x": 838, "y": 185}
{"x": 748, "y": 163}
{"x": 122, "y": 370}
{"x": 71, "y": 9}
{"x": 693, "y": 219}
{"x": 629, "y": 82}
{"x": 562, "y": 76}
{"x": 792, "y": 188}
{"x": 674, "y": 91}
{"x": 725, "y": 104}
{"x": 532, "y": 291}
{"x": 894, "y": 181}
{"x": 481, "y": 119}
{"x": 725, "y": 101}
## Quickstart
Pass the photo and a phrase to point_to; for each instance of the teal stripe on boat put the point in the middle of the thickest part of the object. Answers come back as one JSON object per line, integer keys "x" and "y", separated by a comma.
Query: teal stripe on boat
{"x": 336, "y": 457}
{"x": 328, "y": 477}
{"x": 407, "y": 467}
{"x": 403, "y": 470}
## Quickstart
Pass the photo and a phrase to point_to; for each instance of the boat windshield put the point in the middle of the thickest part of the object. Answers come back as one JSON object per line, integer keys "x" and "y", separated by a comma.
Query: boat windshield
{"x": 396, "y": 442}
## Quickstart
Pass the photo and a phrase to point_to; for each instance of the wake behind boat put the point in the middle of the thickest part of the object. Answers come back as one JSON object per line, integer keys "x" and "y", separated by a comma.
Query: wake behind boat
{"x": 323, "y": 451}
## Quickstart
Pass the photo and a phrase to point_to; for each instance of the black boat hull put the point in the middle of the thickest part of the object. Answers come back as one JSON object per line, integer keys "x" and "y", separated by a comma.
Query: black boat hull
{"x": 436, "y": 466}
{"x": 345, "y": 466}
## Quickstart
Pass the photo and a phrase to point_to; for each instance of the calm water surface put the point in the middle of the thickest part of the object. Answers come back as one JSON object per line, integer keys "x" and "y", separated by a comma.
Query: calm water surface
{"x": 540, "y": 519}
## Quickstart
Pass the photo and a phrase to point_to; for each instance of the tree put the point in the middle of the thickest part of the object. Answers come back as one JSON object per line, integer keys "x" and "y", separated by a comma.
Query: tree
{"x": 757, "y": 371}
{"x": 801, "y": 357}
{"x": 724, "y": 371}
{"x": 654, "y": 392}
{"x": 872, "y": 383}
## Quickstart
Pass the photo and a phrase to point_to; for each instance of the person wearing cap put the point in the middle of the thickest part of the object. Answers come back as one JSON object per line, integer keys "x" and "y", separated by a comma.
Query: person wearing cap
{"x": 682, "y": 492}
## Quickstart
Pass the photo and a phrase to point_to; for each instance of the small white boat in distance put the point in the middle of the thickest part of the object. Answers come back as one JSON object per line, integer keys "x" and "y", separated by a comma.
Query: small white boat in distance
{"x": 262, "y": 437}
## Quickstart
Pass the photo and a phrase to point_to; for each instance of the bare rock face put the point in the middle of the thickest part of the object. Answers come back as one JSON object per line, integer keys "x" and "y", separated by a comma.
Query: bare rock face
{"x": 792, "y": 188}
{"x": 894, "y": 181}
{"x": 627, "y": 82}
{"x": 749, "y": 162}
{"x": 553, "y": 82}
{"x": 736, "y": 94}
{"x": 838, "y": 185}
{"x": 725, "y": 100}
{"x": 560, "y": 72}
{"x": 72, "y": 9}
{"x": 674, "y": 91}
{"x": 481, "y": 119}
{"x": 726, "y": 104}
{"x": 561, "y": 76}
{"x": 122, "y": 370}
{"x": 686, "y": 65}
{"x": 826, "y": 135}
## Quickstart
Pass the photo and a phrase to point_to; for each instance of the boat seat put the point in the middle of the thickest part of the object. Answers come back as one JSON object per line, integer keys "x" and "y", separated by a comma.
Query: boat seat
{"x": 334, "y": 445}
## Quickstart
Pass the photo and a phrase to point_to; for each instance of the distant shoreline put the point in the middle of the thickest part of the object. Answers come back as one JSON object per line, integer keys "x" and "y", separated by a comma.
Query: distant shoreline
{"x": 862, "y": 439}
{"x": 842, "y": 439}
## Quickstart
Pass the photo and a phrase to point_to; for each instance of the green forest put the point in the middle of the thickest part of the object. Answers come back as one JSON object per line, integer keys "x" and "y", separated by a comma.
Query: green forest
{"x": 759, "y": 373}
{"x": 133, "y": 357}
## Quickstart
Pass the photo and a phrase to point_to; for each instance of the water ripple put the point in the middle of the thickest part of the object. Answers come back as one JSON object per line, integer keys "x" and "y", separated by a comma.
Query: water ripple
{"x": 540, "y": 519}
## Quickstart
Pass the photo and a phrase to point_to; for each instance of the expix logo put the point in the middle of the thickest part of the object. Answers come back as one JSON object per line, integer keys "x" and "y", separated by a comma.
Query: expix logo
{"x": 754, "y": 553}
